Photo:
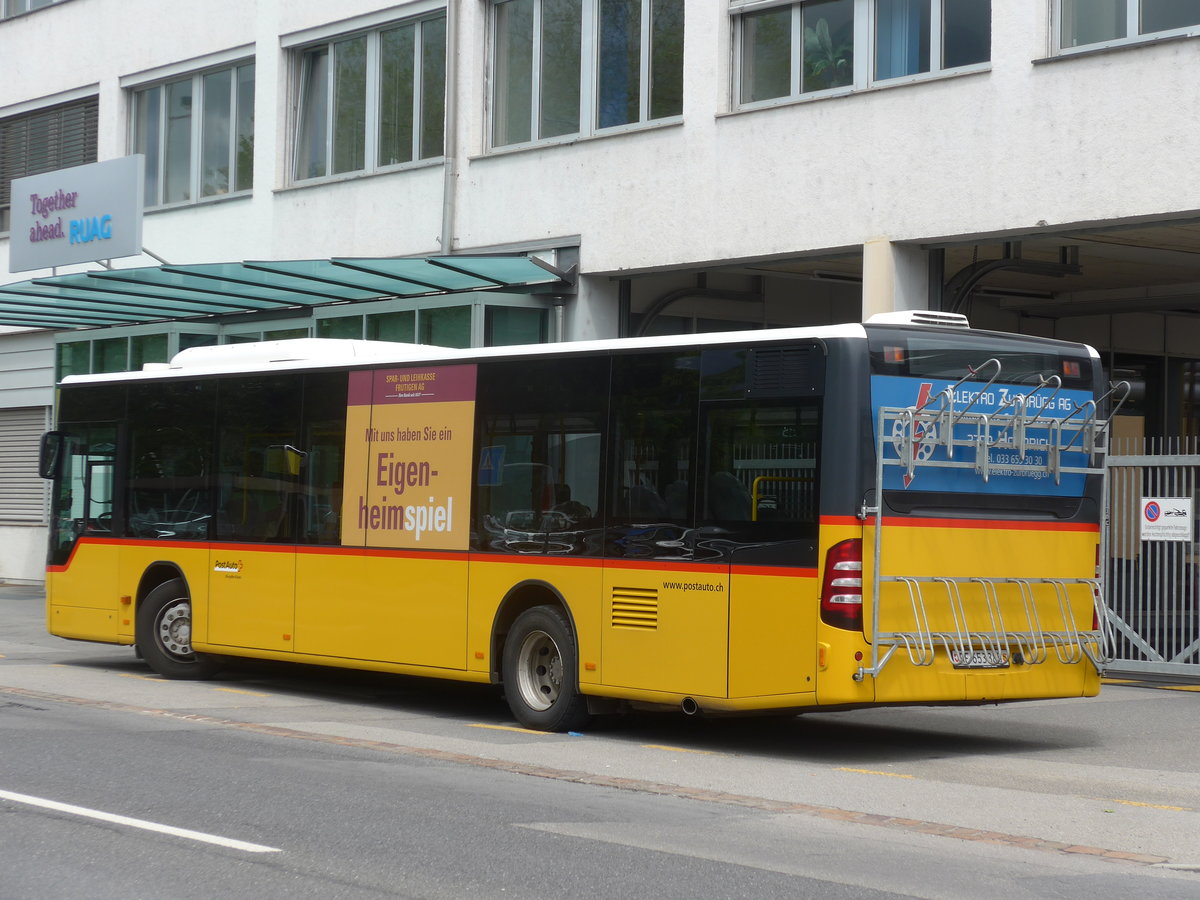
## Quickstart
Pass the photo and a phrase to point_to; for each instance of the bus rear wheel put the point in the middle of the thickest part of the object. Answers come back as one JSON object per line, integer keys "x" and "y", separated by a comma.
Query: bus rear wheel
{"x": 164, "y": 634}
{"x": 541, "y": 672}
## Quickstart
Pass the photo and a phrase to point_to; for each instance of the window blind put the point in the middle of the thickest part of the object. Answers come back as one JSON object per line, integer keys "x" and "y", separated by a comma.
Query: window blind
{"x": 44, "y": 140}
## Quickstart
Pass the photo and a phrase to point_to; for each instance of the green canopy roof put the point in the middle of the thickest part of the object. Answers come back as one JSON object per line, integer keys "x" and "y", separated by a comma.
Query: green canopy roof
{"x": 167, "y": 293}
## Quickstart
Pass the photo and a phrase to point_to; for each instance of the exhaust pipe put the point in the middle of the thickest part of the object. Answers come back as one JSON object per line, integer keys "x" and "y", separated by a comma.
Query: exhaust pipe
{"x": 689, "y": 706}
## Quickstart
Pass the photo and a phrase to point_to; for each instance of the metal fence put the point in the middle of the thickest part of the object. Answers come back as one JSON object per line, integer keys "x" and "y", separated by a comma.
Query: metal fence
{"x": 1152, "y": 585}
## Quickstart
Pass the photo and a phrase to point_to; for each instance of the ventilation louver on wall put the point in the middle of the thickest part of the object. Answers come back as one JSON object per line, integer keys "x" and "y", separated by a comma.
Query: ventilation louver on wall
{"x": 23, "y": 495}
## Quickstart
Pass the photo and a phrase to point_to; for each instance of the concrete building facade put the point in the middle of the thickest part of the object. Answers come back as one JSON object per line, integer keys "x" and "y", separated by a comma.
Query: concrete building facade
{"x": 700, "y": 165}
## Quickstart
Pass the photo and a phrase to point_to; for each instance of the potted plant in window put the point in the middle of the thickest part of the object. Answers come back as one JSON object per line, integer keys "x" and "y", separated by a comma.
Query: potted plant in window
{"x": 827, "y": 64}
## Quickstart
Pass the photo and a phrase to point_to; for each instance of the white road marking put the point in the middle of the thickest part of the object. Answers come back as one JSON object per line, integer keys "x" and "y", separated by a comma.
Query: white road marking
{"x": 137, "y": 823}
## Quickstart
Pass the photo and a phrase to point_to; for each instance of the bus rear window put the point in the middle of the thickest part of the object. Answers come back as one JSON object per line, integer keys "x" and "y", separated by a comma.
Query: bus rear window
{"x": 923, "y": 356}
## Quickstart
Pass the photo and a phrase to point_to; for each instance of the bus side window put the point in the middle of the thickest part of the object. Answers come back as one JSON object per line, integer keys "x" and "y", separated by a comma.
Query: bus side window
{"x": 325, "y": 445}
{"x": 539, "y": 435}
{"x": 761, "y": 464}
{"x": 258, "y": 487}
{"x": 655, "y": 399}
{"x": 170, "y": 428}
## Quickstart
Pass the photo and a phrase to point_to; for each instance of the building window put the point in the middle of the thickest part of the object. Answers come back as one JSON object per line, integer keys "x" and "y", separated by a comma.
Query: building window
{"x": 116, "y": 354}
{"x": 197, "y": 134}
{"x": 16, "y": 7}
{"x": 1093, "y": 23}
{"x": 504, "y": 326}
{"x": 448, "y": 326}
{"x": 571, "y": 67}
{"x": 43, "y": 141}
{"x": 270, "y": 334}
{"x": 791, "y": 50}
{"x": 370, "y": 101}
{"x": 482, "y": 319}
{"x": 122, "y": 351}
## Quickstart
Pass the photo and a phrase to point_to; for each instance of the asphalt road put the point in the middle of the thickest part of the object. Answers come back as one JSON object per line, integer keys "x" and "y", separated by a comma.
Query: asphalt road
{"x": 277, "y": 781}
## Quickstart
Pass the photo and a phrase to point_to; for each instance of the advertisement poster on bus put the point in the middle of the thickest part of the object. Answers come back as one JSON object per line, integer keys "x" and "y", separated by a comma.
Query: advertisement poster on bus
{"x": 1012, "y": 470}
{"x": 408, "y": 458}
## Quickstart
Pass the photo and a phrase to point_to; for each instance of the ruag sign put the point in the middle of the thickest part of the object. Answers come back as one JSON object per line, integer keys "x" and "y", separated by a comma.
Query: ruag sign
{"x": 77, "y": 215}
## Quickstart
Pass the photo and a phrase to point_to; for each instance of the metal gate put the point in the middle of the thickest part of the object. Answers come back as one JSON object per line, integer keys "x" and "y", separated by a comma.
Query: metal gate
{"x": 1153, "y": 585}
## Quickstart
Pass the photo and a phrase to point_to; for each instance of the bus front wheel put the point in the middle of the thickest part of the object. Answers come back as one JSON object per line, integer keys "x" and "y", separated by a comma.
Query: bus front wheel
{"x": 164, "y": 633}
{"x": 541, "y": 672}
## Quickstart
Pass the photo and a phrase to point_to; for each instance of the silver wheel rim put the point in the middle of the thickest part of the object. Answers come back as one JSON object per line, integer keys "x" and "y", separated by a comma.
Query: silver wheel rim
{"x": 539, "y": 671}
{"x": 174, "y": 629}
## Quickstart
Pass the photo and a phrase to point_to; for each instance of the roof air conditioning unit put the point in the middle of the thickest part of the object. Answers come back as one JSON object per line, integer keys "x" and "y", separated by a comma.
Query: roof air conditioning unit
{"x": 920, "y": 317}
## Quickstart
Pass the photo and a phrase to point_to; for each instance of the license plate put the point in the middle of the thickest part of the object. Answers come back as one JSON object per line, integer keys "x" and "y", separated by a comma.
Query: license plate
{"x": 978, "y": 659}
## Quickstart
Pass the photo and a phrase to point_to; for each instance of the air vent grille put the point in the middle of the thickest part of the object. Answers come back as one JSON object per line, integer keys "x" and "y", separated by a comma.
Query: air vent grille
{"x": 635, "y": 608}
{"x": 787, "y": 371}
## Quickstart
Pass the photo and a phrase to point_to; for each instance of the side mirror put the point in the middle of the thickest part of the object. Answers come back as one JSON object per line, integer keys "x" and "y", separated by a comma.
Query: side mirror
{"x": 50, "y": 454}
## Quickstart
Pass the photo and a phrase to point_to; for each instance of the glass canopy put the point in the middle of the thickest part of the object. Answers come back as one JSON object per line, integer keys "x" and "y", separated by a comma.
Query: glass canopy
{"x": 168, "y": 293}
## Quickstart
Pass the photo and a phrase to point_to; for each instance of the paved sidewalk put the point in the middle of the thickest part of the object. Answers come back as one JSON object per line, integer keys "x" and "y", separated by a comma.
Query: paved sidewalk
{"x": 11, "y": 591}
{"x": 1161, "y": 683}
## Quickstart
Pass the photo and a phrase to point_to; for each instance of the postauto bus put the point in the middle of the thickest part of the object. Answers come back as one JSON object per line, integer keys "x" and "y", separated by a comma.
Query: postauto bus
{"x": 845, "y": 516}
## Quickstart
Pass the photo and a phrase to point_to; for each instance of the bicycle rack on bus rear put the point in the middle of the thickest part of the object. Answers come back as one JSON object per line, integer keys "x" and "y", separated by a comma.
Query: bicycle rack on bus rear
{"x": 982, "y": 636}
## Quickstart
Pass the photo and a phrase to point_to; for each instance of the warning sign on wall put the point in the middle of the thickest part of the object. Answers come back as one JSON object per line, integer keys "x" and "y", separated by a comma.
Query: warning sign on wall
{"x": 1166, "y": 518}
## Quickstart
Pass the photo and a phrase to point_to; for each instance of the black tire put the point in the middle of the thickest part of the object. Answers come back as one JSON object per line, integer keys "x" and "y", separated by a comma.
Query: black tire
{"x": 164, "y": 634}
{"x": 540, "y": 669}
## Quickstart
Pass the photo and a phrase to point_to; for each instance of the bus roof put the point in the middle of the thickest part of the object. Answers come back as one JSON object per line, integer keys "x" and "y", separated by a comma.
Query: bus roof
{"x": 322, "y": 353}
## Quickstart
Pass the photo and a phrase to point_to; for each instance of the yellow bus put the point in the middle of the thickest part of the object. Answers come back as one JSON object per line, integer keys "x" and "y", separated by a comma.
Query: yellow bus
{"x": 901, "y": 511}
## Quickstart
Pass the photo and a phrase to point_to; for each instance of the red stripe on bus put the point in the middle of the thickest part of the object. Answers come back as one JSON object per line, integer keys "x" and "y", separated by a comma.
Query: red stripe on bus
{"x": 585, "y": 561}
{"x": 779, "y": 571}
{"x": 446, "y": 555}
{"x": 377, "y": 552}
{"x": 989, "y": 524}
{"x": 992, "y": 524}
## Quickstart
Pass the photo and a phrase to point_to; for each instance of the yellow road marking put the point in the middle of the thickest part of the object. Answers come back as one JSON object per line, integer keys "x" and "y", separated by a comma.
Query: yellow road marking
{"x": 874, "y": 772}
{"x": 671, "y": 749}
{"x": 508, "y": 728}
{"x": 157, "y": 679}
{"x": 1147, "y": 805}
{"x": 236, "y": 691}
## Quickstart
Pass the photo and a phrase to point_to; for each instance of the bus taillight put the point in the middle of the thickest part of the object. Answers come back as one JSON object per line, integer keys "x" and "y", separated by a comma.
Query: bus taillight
{"x": 841, "y": 590}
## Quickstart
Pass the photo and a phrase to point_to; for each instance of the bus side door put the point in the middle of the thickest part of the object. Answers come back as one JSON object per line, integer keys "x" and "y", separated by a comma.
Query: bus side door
{"x": 257, "y": 513}
{"x": 252, "y": 561}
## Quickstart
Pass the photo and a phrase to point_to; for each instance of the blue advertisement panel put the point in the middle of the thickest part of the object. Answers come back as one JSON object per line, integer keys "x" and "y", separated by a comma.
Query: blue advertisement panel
{"x": 1009, "y": 470}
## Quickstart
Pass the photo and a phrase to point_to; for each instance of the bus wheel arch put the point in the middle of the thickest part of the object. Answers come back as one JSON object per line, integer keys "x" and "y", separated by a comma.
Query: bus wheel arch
{"x": 534, "y": 637}
{"x": 164, "y": 625}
